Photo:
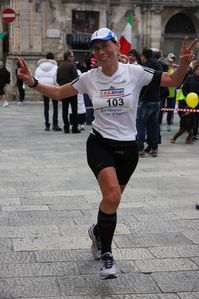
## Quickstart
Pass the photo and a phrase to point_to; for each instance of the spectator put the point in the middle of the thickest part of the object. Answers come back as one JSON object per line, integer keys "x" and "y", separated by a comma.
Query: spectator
{"x": 149, "y": 108}
{"x": 191, "y": 84}
{"x": 134, "y": 57}
{"x": 164, "y": 91}
{"x": 66, "y": 73}
{"x": 4, "y": 80}
{"x": 20, "y": 87}
{"x": 46, "y": 73}
{"x": 171, "y": 59}
{"x": 89, "y": 63}
{"x": 93, "y": 63}
{"x": 186, "y": 124}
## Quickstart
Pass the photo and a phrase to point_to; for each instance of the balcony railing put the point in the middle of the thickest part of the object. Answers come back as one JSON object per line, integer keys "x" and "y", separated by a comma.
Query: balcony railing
{"x": 79, "y": 41}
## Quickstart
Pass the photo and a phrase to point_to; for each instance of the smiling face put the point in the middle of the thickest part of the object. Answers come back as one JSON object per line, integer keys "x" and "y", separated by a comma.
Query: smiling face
{"x": 71, "y": 57}
{"x": 131, "y": 58}
{"x": 106, "y": 52}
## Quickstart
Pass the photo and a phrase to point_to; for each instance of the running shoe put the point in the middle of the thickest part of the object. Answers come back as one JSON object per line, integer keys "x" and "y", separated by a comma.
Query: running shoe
{"x": 5, "y": 104}
{"x": 169, "y": 129}
{"x": 172, "y": 140}
{"x": 96, "y": 244}
{"x": 154, "y": 152}
{"x": 107, "y": 270}
{"x": 141, "y": 153}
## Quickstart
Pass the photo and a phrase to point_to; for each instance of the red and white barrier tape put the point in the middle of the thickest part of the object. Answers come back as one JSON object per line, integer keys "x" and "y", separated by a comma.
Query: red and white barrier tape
{"x": 180, "y": 109}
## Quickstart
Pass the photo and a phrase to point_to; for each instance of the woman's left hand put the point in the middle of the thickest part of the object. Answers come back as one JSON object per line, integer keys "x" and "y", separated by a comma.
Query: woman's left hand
{"x": 187, "y": 55}
{"x": 24, "y": 73}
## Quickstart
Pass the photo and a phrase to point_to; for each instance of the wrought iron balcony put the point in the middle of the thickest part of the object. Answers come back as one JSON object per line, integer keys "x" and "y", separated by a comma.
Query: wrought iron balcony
{"x": 79, "y": 41}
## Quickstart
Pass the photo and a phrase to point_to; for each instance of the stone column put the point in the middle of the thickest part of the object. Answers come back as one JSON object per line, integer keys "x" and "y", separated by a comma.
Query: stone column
{"x": 156, "y": 27}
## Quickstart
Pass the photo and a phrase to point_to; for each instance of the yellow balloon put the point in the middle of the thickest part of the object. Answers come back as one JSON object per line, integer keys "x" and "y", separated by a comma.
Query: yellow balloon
{"x": 192, "y": 99}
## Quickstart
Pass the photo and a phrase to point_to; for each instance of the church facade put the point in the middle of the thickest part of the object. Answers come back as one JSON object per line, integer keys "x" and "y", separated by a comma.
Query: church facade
{"x": 41, "y": 26}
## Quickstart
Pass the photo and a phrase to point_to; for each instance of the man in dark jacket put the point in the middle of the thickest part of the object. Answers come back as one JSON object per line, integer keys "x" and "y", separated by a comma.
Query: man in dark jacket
{"x": 4, "y": 79}
{"x": 149, "y": 107}
{"x": 66, "y": 73}
{"x": 191, "y": 84}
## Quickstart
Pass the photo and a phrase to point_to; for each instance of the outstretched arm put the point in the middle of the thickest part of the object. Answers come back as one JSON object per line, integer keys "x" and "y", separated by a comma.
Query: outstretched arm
{"x": 54, "y": 92}
{"x": 186, "y": 57}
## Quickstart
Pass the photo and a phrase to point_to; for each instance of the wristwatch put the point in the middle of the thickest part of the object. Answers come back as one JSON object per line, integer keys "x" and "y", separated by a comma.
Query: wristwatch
{"x": 35, "y": 83}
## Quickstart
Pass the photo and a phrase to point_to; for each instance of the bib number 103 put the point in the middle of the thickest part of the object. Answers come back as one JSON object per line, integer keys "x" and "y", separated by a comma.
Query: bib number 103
{"x": 115, "y": 102}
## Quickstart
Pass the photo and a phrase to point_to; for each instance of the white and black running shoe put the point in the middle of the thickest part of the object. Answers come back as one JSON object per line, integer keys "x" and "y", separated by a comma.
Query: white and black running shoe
{"x": 96, "y": 244}
{"x": 107, "y": 270}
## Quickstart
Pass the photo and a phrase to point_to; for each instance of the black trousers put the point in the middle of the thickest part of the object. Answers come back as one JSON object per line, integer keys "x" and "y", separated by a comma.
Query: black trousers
{"x": 46, "y": 111}
{"x": 21, "y": 92}
{"x": 65, "y": 115}
{"x": 182, "y": 131}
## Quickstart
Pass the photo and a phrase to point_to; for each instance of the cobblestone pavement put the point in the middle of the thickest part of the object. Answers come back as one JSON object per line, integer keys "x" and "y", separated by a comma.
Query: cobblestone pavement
{"x": 49, "y": 198}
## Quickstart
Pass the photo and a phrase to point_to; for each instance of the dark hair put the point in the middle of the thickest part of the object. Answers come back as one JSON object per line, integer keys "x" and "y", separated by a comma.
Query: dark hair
{"x": 78, "y": 65}
{"x": 147, "y": 52}
{"x": 196, "y": 66}
{"x": 50, "y": 55}
{"x": 156, "y": 54}
{"x": 66, "y": 55}
{"x": 134, "y": 52}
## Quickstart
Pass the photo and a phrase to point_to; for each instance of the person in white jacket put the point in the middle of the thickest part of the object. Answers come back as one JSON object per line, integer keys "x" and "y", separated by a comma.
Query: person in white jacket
{"x": 46, "y": 72}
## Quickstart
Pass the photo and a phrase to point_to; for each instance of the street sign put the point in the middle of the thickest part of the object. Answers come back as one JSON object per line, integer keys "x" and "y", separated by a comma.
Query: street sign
{"x": 9, "y": 15}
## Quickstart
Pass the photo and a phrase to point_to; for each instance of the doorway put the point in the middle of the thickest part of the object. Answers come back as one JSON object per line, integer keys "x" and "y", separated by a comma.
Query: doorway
{"x": 176, "y": 29}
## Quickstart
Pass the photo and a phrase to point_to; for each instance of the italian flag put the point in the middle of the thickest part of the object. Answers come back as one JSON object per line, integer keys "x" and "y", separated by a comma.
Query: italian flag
{"x": 126, "y": 37}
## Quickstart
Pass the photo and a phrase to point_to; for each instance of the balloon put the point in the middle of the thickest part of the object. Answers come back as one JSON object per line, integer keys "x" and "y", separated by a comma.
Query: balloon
{"x": 192, "y": 99}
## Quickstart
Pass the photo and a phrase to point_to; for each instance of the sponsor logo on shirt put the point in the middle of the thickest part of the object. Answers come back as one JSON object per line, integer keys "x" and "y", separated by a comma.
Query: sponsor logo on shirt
{"x": 112, "y": 91}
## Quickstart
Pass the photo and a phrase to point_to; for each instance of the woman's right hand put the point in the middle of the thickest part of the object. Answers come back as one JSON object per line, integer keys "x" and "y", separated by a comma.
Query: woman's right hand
{"x": 24, "y": 72}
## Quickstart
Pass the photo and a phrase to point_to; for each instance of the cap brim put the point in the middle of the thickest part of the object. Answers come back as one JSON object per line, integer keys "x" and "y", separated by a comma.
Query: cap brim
{"x": 100, "y": 39}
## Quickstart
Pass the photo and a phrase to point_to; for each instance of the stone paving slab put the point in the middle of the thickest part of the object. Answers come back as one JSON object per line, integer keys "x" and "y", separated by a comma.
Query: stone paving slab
{"x": 29, "y": 287}
{"x": 163, "y": 226}
{"x": 50, "y": 243}
{"x": 49, "y": 198}
{"x": 196, "y": 260}
{"x": 13, "y": 257}
{"x": 189, "y": 295}
{"x": 185, "y": 281}
{"x": 146, "y": 240}
{"x": 24, "y": 208}
{"x": 175, "y": 251}
{"x": 161, "y": 265}
{"x": 134, "y": 283}
{"x": 145, "y": 296}
{"x": 38, "y": 269}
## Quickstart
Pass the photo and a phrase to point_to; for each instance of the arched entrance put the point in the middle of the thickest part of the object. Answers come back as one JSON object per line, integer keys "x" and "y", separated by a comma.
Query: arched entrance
{"x": 176, "y": 28}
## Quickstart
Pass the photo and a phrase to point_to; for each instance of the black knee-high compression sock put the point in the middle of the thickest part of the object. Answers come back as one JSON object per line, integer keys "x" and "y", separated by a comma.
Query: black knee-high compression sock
{"x": 106, "y": 226}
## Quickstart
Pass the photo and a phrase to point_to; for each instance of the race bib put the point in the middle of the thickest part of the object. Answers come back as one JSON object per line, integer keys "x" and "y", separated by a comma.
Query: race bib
{"x": 112, "y": 101}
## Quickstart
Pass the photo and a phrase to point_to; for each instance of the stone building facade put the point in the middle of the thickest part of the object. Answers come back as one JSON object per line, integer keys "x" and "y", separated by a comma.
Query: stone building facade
{"x": 58, "y": 25}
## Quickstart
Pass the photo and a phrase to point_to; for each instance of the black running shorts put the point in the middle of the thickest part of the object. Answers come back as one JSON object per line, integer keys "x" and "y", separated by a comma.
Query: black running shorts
{"x": 103, "y": 152}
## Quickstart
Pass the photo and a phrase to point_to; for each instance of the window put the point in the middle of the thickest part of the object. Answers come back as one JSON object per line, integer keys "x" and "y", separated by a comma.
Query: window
{"x": 84, "y": 21}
